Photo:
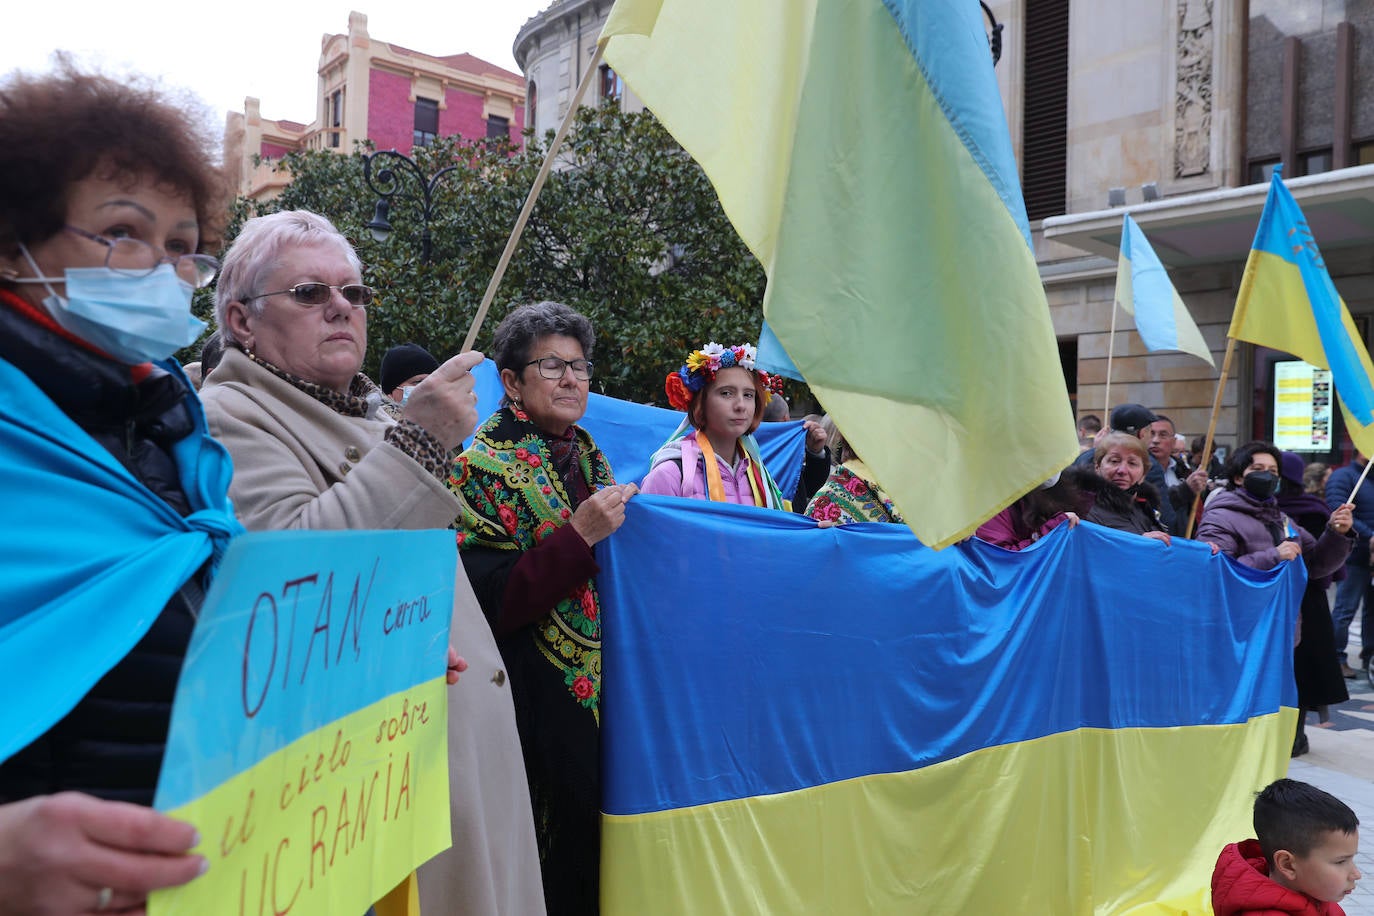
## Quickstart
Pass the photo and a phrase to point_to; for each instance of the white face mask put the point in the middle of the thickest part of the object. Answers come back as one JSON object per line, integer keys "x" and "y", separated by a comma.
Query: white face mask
{"x": 134, "y": 319}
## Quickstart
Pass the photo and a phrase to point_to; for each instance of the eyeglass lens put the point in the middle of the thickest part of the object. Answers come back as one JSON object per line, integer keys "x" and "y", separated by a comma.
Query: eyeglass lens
{"x": 551, "y": 367}
{"x": 318, "y": 293}
{"x": 132, "y": 256}
{"x": 138, "y": 258}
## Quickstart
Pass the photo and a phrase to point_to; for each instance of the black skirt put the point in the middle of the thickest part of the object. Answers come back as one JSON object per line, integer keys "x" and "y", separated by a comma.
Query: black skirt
{"x": 1315, "y": 665}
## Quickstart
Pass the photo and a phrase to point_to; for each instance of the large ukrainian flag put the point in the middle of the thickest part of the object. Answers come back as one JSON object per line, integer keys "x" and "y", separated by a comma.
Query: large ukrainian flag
{"x": 1287, "y": 301}
{"x": 861, "y": 150}
{"x": 843, "y": 721}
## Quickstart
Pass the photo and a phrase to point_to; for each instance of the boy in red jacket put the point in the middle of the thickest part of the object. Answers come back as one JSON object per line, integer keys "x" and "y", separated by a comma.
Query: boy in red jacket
{"x": 1302, "y": 863}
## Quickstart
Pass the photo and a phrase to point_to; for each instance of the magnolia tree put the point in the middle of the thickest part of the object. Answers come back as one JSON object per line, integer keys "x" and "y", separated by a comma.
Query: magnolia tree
{"x": 627, "y": 231}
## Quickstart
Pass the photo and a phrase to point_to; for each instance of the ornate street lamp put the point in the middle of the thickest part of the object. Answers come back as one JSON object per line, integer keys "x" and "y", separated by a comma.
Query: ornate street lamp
{"x": 393, "y": 170}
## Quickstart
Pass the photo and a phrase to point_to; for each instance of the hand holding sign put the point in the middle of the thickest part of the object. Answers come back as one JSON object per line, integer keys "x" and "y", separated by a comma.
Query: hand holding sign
{"x": 456, "y": 666}
{"x": 54, "y": 849}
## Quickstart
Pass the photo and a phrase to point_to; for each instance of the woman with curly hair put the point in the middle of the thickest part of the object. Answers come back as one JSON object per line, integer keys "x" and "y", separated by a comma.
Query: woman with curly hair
{"x": 718, "y": 459}
{"x": 115, "y": 492}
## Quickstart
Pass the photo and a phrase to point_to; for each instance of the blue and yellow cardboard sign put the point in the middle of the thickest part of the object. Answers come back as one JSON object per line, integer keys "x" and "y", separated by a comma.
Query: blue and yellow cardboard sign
{"x": 308, "y": 741}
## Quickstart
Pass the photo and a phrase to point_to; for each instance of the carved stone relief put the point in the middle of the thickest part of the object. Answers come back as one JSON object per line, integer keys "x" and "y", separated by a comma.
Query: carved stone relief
{"x": 1193, "y": 89}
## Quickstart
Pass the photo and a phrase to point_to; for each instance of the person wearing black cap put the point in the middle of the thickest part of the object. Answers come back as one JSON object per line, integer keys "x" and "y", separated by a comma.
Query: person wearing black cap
{"x": 405, "y": 366}
{"x": 1135, "y": 420}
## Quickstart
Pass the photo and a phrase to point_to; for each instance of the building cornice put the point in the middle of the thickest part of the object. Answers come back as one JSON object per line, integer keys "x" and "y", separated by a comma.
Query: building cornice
{"x": 557, "y": 13}
{"x": 1219, "y": 225}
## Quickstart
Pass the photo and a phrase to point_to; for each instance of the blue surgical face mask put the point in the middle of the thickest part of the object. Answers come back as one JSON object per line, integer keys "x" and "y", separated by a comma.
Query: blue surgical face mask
{"x": 134, "y": 319}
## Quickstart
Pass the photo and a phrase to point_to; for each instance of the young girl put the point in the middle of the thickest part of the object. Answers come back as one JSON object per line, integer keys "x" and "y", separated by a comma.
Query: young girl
{"x": 723, "y": 395}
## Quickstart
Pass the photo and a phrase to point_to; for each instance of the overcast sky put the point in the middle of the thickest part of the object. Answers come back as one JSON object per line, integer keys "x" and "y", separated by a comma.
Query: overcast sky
{"x": 226, "y": 51}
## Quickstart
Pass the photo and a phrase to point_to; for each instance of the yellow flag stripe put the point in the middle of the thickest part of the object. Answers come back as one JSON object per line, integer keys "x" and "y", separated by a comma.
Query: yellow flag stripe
{"x": 331, "y": 822}
{"x": 1075, "y": 822}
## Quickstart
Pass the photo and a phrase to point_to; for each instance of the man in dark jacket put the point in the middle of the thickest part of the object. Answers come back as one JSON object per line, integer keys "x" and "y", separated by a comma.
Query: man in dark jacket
{"x": 1355, "y": 587}
{"x": 1181, "y": 483}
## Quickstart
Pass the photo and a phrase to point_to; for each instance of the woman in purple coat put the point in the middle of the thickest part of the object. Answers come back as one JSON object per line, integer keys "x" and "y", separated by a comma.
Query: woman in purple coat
{"x": 1244, "y": 520}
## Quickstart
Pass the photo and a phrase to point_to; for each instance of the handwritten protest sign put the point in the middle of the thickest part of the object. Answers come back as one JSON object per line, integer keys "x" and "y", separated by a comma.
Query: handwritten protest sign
{"x": 308, "y": 737}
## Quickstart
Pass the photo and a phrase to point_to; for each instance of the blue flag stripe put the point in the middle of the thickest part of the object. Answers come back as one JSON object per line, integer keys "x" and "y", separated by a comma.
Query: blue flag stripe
{"x": 943, "y": 37}
{"x": 1152, "y": 290}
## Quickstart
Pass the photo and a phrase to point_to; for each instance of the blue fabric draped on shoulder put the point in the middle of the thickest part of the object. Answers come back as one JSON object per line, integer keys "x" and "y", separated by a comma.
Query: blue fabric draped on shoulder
{"x": 843, "y": 720}
{"x": 88, "y": 555}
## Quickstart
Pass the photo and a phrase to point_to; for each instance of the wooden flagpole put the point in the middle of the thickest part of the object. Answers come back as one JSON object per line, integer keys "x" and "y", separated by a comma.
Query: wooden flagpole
{"x": 1107, "y": 393}
{"x": 538, "y": 186}
{"x": 1359, "y": 483}
{"x": 1211, "y": 429}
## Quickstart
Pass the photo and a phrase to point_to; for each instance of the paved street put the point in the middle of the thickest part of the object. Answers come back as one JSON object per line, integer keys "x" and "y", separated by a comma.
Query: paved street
{"x": 1342, "y": 762}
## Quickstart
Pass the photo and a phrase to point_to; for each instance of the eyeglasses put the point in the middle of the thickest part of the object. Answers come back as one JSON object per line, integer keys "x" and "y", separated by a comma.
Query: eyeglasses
{"x": 312, "y": 294}
{"x": 139, "y": 259}
{"x": 551, "y": 367}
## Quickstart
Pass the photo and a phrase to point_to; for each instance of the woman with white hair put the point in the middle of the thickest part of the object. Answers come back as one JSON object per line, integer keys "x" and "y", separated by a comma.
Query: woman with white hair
{"x": 312, "y": 450}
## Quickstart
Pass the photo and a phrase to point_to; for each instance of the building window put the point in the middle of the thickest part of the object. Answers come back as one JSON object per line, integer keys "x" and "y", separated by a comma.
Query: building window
{"x": 334, "y": 116}
{"x": 531, "y": 104}
{"x": 497, "y": 128}
{"x": 426, "y": 121}
{"x": 1314, "y": 162}
{"x": 1045, "y": 119}
{"x": 612, "y": 86}
{"x": 1364, "y": 152}
{"x": 1068, "y": 361}
{"x": 1260, "y": 171}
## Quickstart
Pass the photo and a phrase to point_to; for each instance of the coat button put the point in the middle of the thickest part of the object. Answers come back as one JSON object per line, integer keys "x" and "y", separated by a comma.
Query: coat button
{"x": 344, "y": 467}
{"x": 352, "y": 454}
{"x": 499, "y": 678}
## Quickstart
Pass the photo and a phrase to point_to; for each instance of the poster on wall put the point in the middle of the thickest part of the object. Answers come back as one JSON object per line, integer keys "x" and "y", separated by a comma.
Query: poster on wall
{"x": 1302, "y": 407}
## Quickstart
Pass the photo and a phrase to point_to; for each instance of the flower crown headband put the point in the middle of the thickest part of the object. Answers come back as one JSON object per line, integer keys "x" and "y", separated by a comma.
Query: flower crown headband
{"x": 701, "y": 368}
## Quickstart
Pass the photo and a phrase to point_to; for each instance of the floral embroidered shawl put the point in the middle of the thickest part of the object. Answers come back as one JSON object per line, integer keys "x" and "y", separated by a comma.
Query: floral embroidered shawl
{"x": 849, "y": 496}
{"x": 513, "y": 499}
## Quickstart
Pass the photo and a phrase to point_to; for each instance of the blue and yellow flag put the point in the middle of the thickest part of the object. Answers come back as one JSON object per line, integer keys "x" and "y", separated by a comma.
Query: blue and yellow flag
{"x": 1143, "y": 289}
{"x": 874, "y": 727}
{"x": 860, "y": 148}
{"x": 1288, "y": 302}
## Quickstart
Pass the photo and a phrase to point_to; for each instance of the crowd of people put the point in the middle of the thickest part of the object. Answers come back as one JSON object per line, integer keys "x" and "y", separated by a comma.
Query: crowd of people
{"x": 100, "y": 251}
{"x": 1261, "y": 507}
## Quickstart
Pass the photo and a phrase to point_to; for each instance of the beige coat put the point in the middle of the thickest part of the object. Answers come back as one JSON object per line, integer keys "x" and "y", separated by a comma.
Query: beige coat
{"x": 299, "y": 464}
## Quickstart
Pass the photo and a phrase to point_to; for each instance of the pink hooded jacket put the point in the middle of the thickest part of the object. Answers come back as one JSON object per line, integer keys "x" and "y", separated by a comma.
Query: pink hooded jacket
{"x": 667, "y": 478}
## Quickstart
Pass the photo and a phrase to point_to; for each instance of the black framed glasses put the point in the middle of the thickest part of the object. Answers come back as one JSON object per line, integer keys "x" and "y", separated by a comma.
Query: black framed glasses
{"x": 552, "y": 368}
{"x": 138, "y": 259}
{"x": 315, "y": 294}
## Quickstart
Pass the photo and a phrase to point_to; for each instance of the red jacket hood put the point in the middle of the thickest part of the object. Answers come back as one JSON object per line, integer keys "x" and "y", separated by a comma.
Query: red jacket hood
{"x": 1241, "y": 886}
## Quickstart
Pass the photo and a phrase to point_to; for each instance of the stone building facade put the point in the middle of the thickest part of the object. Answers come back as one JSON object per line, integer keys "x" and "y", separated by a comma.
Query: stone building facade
{"x": 554, "y": 49}
{"x": 1177, "y": 112}
{"x": 393, "y": 96}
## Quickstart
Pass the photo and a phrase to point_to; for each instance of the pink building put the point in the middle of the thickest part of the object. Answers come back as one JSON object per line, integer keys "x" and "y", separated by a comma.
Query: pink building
{"x": 393, "y": 96}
